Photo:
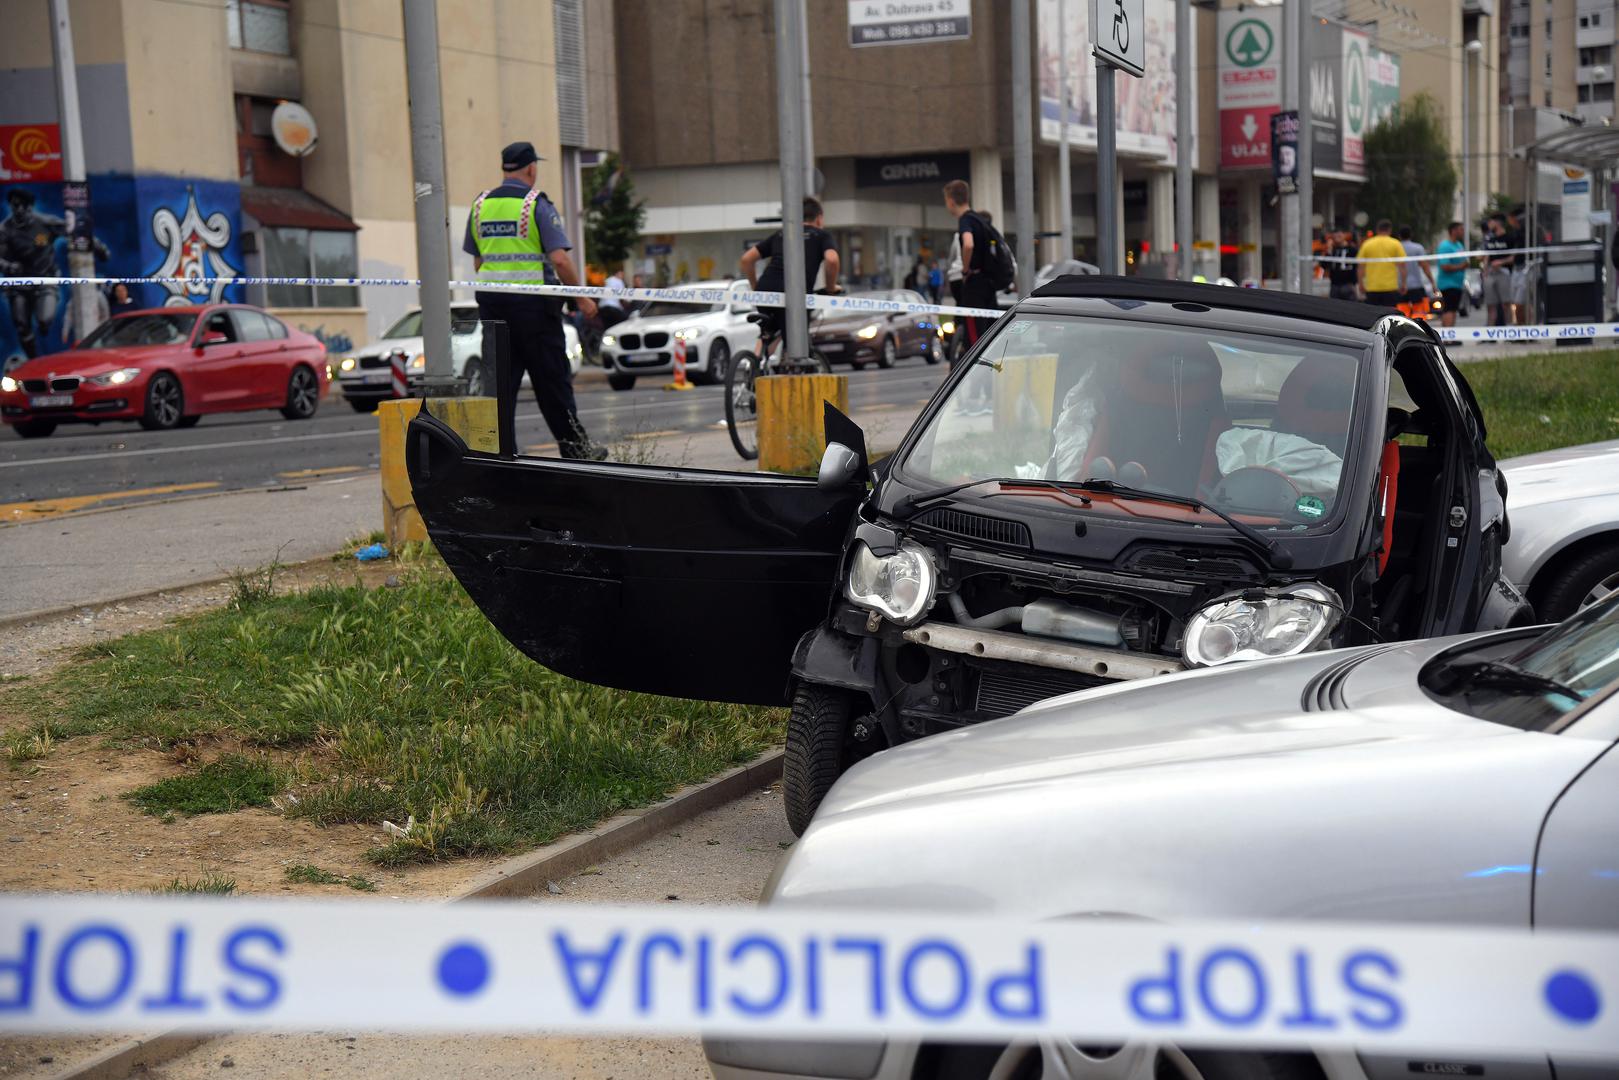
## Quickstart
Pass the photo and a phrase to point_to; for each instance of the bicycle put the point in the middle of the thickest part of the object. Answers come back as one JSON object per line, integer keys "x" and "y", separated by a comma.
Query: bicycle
{"x": 741, "y": 404}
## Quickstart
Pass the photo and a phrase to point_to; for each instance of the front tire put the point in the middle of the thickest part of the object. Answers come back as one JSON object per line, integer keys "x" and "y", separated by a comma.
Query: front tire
{"x": 889, "y": 353}
{"x": 35, "y": 429}
{"x": 1591, "y": 577}
{"x": 621, "y": 382}
{"x": 719, "y": 363}
{"x": 303, "y": 394}
{"x": 817, "y": 733}
{"x": 165, "y": 403}
{"x": 741, "y": 407}
{"x": 935, "y": 350}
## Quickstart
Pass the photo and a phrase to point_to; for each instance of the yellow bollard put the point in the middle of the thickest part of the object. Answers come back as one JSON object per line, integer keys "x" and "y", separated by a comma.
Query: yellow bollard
{"x": 792, "y": 435}
{"x": 473, "y": 418}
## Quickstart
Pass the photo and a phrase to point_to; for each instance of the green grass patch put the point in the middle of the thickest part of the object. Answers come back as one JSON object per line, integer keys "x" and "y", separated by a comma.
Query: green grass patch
{"x": 400, "y": 703}
{"x": 219, "y": 787}
{"x": 305, "y": 874}
{"x": 1543, "y": 401}
{"x": 208, "y": 884}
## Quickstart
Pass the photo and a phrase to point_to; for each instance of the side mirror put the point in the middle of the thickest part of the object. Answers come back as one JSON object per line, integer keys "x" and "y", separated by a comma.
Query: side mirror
{"x": 840, "y": 468}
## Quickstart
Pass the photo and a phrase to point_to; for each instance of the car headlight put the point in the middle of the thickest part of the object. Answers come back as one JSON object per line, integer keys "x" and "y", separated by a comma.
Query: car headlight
{"x": 9, "y": 385}
{"x": 114, "y": 378}
{"x": 348, "y": 364}
{"x": 1260, "y": 624}
{"x": 866, "y": 333}
{"x": 418, "y": 362}
{"x": 691, "y": 333}
{"x": 575, "y": 349}
{"x": 609, "y": 341}
{"x": 947, "y": 327}
{"x": 899, "y": 585}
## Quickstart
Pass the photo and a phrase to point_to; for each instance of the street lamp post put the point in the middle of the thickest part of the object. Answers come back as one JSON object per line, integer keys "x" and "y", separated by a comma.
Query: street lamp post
{"x": 1474, "y": 47}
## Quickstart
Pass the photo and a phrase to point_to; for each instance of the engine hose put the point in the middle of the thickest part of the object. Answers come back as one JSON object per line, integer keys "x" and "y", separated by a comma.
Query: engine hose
{"x": 994, "y": 620}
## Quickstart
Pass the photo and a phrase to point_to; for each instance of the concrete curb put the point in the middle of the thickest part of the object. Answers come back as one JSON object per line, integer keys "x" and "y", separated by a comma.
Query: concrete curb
{"x": 519, "y": 876}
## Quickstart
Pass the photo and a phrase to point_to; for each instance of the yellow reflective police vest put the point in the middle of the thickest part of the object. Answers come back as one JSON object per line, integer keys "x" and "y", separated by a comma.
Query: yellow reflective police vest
{"x": 508, "y": 238}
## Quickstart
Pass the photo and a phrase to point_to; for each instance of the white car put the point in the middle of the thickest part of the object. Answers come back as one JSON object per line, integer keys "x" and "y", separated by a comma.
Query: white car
{"x": 1564, "y": 509}
{"x": 365, "y": 375}
{"x": 643, "y": 344}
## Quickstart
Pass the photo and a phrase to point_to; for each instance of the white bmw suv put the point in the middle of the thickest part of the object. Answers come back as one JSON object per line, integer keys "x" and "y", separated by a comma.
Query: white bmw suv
{"x": 644, "y": 343}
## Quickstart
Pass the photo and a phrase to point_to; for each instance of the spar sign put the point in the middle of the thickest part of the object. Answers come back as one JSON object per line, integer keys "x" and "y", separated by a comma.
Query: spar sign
{"x": 1250, "y": 84}
{"x": 1357, "y": 101}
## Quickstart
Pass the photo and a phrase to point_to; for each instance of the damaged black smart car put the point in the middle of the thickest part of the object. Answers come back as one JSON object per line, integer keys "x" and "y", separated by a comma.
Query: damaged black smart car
{"x": 1124, "y": 479}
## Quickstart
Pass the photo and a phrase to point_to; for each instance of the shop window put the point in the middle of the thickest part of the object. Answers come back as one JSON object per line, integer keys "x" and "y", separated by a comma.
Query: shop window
{"x": 309, "y": 253}
{"x": 260, "y": 25}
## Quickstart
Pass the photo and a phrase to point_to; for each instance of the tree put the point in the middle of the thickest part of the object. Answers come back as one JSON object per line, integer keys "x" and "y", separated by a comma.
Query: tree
{"x": 613, "y": 216}
{"x": 1410, "y": 178}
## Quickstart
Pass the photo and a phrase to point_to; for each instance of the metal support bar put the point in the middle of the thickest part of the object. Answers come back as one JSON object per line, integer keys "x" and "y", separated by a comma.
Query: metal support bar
{"x": 432, "y": 205}
{"x": 1107, "y": 171}
{"x": 1306, "y": 197}
{"x": 1065, "y": 182}
{"x": 1183, "y": 138}
{"x": 80, "y": 264}
{"x": 1288, "y": 205}
{"x": 1023, "y": 146}
{"x": 790, "y": 132}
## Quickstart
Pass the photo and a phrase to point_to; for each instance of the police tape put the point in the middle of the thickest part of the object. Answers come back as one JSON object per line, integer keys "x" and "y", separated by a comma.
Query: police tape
{"x": 198, "y": 287}
{"x": 1467, "y": 335}
{"x": 1448, "y": 256}
{"x": 85, "y": 963}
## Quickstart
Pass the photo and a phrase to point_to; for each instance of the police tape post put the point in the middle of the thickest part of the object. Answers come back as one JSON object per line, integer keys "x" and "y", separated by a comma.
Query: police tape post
{"x": 399, "y": 382}
{"x": 85, "y": 963}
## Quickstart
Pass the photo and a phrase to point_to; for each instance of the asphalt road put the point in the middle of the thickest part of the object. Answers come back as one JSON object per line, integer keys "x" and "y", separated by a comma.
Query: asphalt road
{"x": 116, "y": 463}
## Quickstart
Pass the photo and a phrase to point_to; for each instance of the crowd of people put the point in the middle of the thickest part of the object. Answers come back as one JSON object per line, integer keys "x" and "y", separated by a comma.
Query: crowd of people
{"x": 1391, "y": 267}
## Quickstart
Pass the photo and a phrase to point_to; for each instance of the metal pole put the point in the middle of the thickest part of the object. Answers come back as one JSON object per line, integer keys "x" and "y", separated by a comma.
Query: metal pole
{"x": 79, "y": 263}
{"x": 432, "y": 206}
{"x": 1183, "y": 138}
{"x": 1289, "y": 204}
{"x": 1023, "y": 146}
{"x": 790, "y": 136}
{"x": 1107, "y": 170}
{"x": 1306, "y": 199}
{"x": 802, "y": 26}
{"x": 1065, "y": 182}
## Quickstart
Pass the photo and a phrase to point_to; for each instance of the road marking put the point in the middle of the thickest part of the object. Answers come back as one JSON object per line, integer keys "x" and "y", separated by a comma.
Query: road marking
{"x": 39, "y": 509}
{"x": 651, "y": 434}
{"x": 309, "y": 474}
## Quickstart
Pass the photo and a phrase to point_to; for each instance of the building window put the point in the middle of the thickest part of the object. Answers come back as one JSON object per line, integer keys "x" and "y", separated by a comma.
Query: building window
{"x": 1596, "y": 54}
{"x": 1602, "y": 92}
{"x": 259, "y": 25}
{"x": 259, "y": 160}
{"x": 309, "y": 253}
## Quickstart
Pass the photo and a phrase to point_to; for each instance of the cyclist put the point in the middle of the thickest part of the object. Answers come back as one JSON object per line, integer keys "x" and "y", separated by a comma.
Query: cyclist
{"x": 820, "y": 265}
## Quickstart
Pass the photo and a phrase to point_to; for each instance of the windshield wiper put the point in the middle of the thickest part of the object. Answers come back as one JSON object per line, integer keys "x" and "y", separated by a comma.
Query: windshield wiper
{"x": 1279, "y": 556}
{"x": 912, "y": 503}
{"x": 1503, "y": 674}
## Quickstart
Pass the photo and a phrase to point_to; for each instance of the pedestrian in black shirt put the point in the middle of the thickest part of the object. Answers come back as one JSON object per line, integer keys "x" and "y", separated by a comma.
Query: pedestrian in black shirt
{"x": 977, "y": 286}
{"x": 1341, "y": 275}
{"x": 820, "y": 258}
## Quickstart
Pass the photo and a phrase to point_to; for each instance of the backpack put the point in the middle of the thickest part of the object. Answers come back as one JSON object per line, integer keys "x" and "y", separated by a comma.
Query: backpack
{"x": 998, "y": 261}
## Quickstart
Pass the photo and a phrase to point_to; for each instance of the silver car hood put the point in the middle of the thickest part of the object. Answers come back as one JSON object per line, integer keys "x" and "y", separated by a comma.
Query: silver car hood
{"x": 410, "y": 346}
{"x": 1208, "y": 794}
{"x": 1572, "y": 472}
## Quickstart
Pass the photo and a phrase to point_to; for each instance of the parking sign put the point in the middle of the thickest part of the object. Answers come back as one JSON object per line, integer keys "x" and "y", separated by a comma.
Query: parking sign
{"x": 1119, "y": 34}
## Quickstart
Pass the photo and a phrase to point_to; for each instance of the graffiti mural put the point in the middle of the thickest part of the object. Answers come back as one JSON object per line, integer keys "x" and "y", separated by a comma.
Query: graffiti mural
{"x": 194, "y": 250}
{"x": 146, "y": 226}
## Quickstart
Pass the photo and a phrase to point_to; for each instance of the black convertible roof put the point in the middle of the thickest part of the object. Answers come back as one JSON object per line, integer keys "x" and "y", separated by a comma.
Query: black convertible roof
{"x": 1265, "y": 302}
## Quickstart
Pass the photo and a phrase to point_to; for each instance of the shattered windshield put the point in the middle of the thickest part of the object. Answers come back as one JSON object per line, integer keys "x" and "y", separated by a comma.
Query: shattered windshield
{"x": 1256, "y": 426}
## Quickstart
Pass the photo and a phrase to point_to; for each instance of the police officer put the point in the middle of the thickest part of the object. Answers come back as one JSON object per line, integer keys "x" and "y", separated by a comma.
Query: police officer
{"x": 514, "y": 234}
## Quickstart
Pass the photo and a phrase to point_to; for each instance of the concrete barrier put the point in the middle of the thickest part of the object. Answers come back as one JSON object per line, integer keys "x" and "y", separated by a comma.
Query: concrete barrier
{"x": 792, "y": 437}
{"x": 473, "y": 418}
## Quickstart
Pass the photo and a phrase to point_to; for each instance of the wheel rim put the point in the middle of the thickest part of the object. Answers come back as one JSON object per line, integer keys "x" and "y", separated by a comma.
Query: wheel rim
{"x": 1601, "y": 591}
{"x": 303, "y": 392}
{"x": 889, "y": 352}
{"x": 165, "y": 401}
{"x": 717, "y": 361}
{"x": 1061, "y": 1060}
{"x": 744, "y": 404}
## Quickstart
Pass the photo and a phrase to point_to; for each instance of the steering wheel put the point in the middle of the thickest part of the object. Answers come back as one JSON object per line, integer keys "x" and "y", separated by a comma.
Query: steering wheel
{"x": 1255, "y": 487}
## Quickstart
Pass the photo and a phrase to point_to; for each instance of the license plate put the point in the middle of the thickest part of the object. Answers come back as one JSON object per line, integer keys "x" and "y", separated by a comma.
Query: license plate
{"x": 50, "y": 401}
{"x": 375, "y": 378}
{"x": 643, "y": 358}
{"x": 831, "y": 346}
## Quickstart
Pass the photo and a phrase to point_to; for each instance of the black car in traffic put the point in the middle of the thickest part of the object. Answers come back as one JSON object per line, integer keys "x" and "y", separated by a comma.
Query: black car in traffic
{"x": 1124, "y": 479}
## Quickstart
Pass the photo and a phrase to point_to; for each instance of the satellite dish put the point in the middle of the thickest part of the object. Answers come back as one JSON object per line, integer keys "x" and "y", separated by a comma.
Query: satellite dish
{"x": 293, "y": 128}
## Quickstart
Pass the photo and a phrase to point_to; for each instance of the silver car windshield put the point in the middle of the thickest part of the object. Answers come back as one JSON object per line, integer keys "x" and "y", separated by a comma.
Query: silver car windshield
{"x": 1581, "y": 654}
{"x": 1256, "y": 426}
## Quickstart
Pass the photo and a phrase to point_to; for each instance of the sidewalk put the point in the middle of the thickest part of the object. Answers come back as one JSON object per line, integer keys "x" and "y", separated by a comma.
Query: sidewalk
{"x": 96, "y": 557}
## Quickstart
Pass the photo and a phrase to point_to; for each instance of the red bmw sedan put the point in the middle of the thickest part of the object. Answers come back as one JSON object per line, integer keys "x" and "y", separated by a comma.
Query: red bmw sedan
{"x": 165, "y": 368}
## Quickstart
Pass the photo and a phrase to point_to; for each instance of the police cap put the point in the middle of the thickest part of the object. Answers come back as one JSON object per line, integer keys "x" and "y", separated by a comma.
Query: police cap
{"x": 518, "y": 155}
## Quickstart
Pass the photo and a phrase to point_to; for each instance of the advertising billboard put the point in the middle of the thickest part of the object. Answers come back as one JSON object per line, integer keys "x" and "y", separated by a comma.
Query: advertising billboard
{"x": 1146, "y": 106}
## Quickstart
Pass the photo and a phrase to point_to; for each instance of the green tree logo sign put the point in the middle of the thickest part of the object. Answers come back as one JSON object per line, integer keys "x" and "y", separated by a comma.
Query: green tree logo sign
{"x": 1355, "y": 96}
{"x": 1249, "y": 43}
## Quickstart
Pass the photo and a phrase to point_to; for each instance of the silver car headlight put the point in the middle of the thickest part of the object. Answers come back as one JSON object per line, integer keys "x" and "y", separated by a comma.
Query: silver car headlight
{"x": 609, "y": 341}
{"x": 900, "y": 586}
{"x": 1259, "y": 624}
{"x": 691, "y": 333}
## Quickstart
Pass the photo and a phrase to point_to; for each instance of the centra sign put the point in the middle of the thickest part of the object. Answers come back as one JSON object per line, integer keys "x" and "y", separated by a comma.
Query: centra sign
{"x": 912, "y": 169}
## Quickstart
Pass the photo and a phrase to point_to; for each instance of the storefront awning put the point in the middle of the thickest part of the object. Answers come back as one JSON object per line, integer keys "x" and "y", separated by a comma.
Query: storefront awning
{"x": 293, "y": 208}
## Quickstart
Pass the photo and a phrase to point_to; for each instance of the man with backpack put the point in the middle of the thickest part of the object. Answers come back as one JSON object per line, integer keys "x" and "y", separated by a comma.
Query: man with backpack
{"x": 986, "y": 262}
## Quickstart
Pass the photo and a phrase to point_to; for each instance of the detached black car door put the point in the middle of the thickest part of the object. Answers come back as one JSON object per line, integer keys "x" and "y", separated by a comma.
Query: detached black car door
{"x": 684, "y": 582}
